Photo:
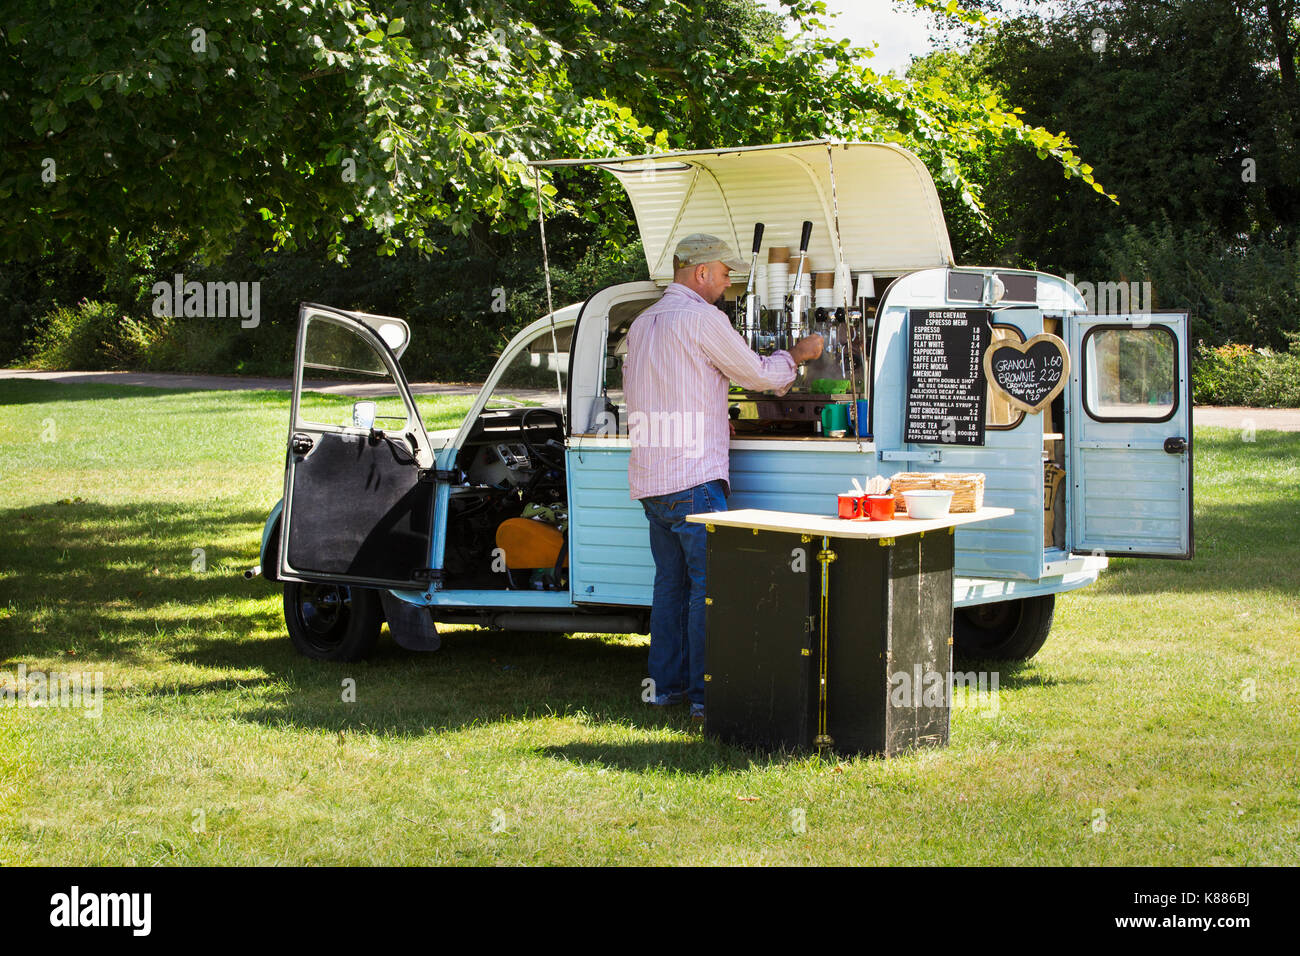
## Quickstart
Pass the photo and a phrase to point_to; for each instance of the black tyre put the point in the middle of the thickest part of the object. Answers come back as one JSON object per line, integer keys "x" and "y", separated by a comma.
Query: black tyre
{"x": 332, "y": 622}
{"x": 1003, "y": 630}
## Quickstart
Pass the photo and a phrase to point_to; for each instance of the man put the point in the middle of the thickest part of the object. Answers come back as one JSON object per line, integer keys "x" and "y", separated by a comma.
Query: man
{"x": 682, "y": 356}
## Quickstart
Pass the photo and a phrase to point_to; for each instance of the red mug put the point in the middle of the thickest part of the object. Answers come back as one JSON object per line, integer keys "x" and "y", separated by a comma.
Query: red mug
{"x": 880, "y": 507}
{"x": 850, "y": 505}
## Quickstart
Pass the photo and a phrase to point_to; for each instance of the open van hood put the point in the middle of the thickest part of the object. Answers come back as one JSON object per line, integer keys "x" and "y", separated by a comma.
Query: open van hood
{"x": 890, "y": 219}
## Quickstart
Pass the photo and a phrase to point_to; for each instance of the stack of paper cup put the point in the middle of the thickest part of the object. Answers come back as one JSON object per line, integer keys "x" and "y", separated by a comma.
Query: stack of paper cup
{"x": 866, "y": 286}
{"x": 843, "y": 285}
{"x": 805, "y": 280}
{"x": 778, "y": 276}
{"x": 760, "y": 281}
{"x": 823, "y": 290}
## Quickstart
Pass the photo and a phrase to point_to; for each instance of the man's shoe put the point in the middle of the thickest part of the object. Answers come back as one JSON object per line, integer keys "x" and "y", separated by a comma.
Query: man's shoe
{"x": 667, "y": 700}
{"x": 697, "y": 711}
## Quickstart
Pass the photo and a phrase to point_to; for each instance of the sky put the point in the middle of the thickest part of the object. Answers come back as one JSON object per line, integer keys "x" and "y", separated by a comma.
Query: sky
{"x": 899, "y": 30}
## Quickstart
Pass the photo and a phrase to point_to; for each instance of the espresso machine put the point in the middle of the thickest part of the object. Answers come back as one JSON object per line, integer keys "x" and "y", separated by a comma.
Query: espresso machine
{"x": 779, "y": 324}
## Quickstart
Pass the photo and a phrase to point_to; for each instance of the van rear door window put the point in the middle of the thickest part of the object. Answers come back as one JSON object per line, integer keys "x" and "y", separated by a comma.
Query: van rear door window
{"x": 1130, "y": 374}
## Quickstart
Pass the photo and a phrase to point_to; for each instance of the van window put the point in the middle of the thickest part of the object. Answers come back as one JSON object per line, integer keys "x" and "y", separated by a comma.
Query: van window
{"x": 1129, "y": 374}
{"x": 998, "y": 413}
{"x": 341, "y": 368}
{"x": 529, "y": 379}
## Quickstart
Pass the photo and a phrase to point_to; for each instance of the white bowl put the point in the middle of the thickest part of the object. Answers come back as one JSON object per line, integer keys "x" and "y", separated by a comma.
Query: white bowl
{"x": 927, "y": 504}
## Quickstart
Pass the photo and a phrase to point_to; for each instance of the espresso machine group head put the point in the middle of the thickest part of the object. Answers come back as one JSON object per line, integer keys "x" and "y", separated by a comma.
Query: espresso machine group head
{"x": 798, "y": 301}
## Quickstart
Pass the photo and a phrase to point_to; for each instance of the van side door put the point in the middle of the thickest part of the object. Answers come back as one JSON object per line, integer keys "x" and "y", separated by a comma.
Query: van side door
{"x": 1129, "y": 457}
{"x": 358, "y": 491}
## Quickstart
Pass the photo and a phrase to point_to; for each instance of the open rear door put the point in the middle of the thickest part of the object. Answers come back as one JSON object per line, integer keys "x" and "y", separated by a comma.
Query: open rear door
{"x": 358, "y": 494}
{"x": 1129, "y": 460}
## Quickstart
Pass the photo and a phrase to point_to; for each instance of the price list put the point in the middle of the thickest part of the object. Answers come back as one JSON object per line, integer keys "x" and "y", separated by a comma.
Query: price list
{"x": 946, "y": 384}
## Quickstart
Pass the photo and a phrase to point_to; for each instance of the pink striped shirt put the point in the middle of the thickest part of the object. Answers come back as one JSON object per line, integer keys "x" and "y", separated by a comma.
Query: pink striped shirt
{"x": 682, "y": 355}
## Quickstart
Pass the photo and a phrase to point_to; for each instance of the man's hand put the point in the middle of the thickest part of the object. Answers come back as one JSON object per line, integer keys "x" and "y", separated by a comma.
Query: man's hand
{"x": 807, "y": 348}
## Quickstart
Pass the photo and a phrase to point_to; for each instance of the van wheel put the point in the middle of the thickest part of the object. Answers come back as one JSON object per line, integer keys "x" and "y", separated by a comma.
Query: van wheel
{"x": 332, "y": 622}
{"x": 1003, "y": 630}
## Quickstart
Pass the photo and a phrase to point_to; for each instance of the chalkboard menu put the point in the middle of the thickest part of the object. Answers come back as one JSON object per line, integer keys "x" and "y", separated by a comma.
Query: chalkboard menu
{"x": 1031, "y": 374}
{"x": 945, "y": 376}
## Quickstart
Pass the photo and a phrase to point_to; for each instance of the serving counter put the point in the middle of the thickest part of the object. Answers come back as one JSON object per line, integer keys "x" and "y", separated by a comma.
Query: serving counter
{"x": 830, "y": 633}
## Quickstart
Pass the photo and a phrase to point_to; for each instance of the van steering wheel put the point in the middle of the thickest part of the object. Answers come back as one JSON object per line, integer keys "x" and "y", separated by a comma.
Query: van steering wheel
{"x": 547, "y": 455}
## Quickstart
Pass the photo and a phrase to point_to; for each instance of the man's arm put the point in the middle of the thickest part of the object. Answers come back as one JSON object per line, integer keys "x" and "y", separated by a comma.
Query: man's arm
{"x": 726, "y": 348}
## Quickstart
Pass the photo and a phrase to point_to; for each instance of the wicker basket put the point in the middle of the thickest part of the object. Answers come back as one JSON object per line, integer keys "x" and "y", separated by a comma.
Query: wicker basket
{"x": 967, "y": 489}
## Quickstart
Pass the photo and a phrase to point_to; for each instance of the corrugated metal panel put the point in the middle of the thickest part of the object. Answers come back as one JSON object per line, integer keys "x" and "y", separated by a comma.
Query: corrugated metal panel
{"x": 1012, "y": 464}
{"x": 610, "y": 539}
{"x": 1012, "y": 461}
{"x": 1133, "y": 502}
{"x": 1127, "y": 495}
{"x": 890, "y": 217}
{"x": 805, "y": 482}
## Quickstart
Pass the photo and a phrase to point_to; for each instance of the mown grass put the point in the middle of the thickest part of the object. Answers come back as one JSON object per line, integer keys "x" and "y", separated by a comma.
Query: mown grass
{"x": 218, "y": 745}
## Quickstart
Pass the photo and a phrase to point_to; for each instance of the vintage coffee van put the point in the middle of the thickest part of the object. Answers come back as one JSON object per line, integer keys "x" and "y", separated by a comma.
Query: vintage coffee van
{"x": 520, "y": 517}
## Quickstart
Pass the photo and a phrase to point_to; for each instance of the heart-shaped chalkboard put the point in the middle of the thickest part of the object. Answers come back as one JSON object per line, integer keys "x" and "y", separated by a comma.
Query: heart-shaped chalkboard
{"x": 1029, "y": 374}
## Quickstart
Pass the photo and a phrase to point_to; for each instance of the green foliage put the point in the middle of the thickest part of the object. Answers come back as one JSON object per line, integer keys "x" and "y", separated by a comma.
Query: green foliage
{"x": 1233, "y": 291}
{"x": 91, "y": 336}
{"x": 1240, "y": 375}
{"x": 451, "y": 300}
{"x": 286, "y": 122}
{"x": 283, "y": 120}
{"x": 1168, "y": 100}
{"x": 195, "y": 136}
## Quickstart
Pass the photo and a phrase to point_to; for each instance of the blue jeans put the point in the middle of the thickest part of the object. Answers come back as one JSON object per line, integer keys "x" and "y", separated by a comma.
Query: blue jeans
{"x": 677, "y": 645}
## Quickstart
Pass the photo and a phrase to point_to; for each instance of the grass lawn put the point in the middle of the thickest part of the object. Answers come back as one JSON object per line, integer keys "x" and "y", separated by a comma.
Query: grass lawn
{"x": 1158, "y": 725}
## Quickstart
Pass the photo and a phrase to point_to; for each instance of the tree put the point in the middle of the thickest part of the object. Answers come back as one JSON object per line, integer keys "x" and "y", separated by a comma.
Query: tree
{"x": 287, "y": 121}
{"x": 1176, "y": 104}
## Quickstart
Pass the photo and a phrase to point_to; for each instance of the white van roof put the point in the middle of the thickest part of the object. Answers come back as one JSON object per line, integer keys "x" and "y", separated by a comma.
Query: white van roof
{"x": 890, "y": 219}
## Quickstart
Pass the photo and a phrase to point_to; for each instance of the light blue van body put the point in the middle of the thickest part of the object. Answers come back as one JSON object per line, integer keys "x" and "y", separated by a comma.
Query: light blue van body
{"x": 1124, "y": 494}
{"x": 1126, "y": 452}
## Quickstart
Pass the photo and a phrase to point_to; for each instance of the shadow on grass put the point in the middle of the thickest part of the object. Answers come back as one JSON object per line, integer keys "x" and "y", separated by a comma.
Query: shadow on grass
{"x": 696, "y": 756}
{"x": 108, "y": 570}
{"x": 1017, "y": 675}
{"x": 114, "y": 584}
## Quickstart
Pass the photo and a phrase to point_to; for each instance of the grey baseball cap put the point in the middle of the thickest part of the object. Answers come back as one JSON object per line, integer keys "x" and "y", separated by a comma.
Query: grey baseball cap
{"x": 700, "y": 248}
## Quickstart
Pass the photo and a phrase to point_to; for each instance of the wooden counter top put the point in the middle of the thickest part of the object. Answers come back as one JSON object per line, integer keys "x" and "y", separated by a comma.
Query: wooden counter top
{"x": 840, "y": 527}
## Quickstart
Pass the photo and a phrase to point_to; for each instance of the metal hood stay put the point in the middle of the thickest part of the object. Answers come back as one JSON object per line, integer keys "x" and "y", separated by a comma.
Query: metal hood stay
{"x": 889, "y": 214}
